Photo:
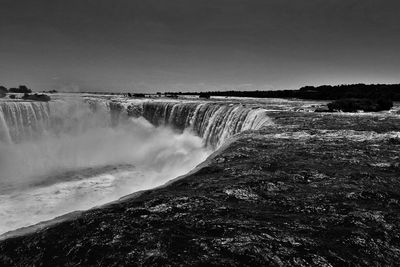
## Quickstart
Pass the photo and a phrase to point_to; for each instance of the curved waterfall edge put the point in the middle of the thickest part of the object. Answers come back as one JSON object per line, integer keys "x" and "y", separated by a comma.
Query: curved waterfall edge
{"x": 70, "y": 216}
{"x": 214, "y": 122}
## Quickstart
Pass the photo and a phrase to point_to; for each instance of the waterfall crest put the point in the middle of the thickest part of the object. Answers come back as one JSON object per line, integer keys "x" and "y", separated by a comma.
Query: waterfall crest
{"x": 69, "y": 154}
{"x": 26, "y": 120}
{"x": 20, "y": 120}
{"x": 214, "y": 122}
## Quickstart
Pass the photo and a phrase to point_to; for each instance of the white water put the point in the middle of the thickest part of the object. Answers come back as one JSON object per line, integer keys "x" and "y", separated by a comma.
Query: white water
{"x": 75, "y": 153}
{"x": 213, "y": 121}
{"x": 72, "y": 154}
{"x": 72, "y": 158}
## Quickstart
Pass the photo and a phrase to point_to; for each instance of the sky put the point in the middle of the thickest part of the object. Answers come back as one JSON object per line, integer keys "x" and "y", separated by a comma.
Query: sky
{"x": 188, "y": 45}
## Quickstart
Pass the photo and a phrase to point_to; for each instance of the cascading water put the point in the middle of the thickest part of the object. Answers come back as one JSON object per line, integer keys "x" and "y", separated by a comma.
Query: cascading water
{"x": 72, "y": 154}
{"x": 22, "y": 120}
{"x": 214, "y": 122}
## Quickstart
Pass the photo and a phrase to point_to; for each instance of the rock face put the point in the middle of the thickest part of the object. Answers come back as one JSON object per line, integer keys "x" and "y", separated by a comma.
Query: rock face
{"x": 316, "y": 190}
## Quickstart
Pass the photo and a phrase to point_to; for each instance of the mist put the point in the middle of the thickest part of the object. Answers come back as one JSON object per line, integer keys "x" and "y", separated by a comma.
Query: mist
{"x": 74, "y": 166}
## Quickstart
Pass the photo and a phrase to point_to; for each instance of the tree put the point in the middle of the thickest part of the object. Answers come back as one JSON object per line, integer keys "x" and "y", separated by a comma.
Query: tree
{"x": 3, "y": 89}
{"x": 22, "y": 89}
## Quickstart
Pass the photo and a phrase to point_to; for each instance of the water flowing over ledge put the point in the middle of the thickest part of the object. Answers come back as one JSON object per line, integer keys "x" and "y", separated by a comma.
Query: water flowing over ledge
{"x": 275, "y": 196}
{"x": 214, "y": 122}
{"x": 74, "y": 154}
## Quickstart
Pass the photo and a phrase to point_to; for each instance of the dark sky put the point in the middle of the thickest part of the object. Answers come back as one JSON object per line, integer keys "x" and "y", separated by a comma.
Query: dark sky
{"x": 158, "y": 45}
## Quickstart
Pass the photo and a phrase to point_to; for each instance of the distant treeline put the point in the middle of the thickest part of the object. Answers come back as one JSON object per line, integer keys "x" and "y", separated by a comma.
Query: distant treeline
{"x": 20, "y": 89}
{"x": 324, "y": 92}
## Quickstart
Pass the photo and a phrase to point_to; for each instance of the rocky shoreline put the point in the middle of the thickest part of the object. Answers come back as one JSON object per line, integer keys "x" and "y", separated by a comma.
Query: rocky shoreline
{"x": 315, "y": 190}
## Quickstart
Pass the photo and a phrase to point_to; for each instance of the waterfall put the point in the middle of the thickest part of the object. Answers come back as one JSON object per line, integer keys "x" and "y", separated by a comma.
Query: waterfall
{"x": 26, "y": 120}
{"x": 70, "y": 154}
{"x": 214, "y": 122}
{"x": 22, "y": 120}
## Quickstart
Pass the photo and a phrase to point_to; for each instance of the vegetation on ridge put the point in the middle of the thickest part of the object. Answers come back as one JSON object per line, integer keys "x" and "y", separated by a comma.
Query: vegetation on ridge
{"x": 23, "y": 89}
{"x": 324, "y": 92}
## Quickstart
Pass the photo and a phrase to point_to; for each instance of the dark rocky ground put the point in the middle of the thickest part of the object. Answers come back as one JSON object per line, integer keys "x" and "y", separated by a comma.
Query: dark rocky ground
{"x": 317, "y": 190}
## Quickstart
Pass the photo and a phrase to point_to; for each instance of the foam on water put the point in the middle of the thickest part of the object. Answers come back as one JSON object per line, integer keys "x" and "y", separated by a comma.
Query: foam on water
{"x": 67, "y": 164}
{"x": 74, "y": 153}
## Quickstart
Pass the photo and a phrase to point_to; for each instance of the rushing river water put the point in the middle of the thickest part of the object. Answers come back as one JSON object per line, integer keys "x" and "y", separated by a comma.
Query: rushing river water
{"x": 79, "y": 151}
{"x": 76, "y": 152}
